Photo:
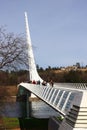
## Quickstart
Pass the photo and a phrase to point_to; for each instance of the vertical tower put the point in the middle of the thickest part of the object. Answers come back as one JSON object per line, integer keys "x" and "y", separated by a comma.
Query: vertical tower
{"x": 32, "y": 66}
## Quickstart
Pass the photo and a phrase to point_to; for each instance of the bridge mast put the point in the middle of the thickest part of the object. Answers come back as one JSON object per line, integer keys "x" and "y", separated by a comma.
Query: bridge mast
{"x": 33, "y": 74}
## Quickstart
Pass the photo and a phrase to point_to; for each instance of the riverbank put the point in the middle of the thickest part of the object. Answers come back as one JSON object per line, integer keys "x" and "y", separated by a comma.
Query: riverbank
{"x": 23, "y": 123}
{"x": 8, "y": 94}
{"x": 9, "y": 123}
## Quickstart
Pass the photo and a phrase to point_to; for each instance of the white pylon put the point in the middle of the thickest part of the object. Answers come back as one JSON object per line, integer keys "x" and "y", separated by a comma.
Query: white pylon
{"x": 32, "y": 66}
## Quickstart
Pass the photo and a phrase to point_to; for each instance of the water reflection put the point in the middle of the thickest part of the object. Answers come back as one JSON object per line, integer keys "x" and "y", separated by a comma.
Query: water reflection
{"x": 38, "y": 114}
{"x": 18, "y": 109}
{"x": 10, "y": 109}
{"x": 42, "y": 110}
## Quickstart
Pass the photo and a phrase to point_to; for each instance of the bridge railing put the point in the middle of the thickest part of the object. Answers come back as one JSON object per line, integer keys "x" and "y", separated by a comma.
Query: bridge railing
{"x": 82, "y": 86}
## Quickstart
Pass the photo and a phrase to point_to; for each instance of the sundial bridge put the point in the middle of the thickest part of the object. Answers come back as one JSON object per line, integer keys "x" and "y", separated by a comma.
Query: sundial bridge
{"x": 69, "y": 99}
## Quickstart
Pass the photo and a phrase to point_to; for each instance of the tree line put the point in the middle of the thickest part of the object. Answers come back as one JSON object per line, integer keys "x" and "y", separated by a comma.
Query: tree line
{"x": 71, "y": 76}
{"x": 16, "y": 77}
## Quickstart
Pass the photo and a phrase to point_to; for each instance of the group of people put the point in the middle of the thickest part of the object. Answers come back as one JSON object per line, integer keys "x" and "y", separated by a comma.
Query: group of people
{"x": 51, "y": 83}
{"x": 35, "y": 82}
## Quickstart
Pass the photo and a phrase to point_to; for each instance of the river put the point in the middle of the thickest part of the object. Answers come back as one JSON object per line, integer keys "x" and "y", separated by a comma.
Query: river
{"x": 39, "y": 114}
{"x": 39, "y": 109}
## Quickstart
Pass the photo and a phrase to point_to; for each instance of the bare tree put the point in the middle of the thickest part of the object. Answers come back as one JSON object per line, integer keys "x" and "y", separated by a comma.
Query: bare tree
{"x": 13, "y": 52}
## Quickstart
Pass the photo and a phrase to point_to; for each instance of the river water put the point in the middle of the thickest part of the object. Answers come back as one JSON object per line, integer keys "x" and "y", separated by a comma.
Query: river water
{"x": 39, "y": 109}
{"x": 38, "y": 114}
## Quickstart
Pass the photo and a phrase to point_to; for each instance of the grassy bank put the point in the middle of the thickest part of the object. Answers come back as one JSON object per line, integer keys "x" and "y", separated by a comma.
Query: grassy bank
{"x": 23, "y": 123}
{"x": 9, "y": 123}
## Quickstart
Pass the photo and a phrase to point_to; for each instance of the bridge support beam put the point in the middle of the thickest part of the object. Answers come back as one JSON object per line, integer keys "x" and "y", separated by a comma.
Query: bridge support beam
{"x": 23, "y": 97}
{"x": 28, "y": 105}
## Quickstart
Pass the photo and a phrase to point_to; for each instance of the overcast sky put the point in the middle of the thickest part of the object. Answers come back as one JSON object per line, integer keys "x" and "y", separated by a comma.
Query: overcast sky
{"x": 58, "y": 28}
